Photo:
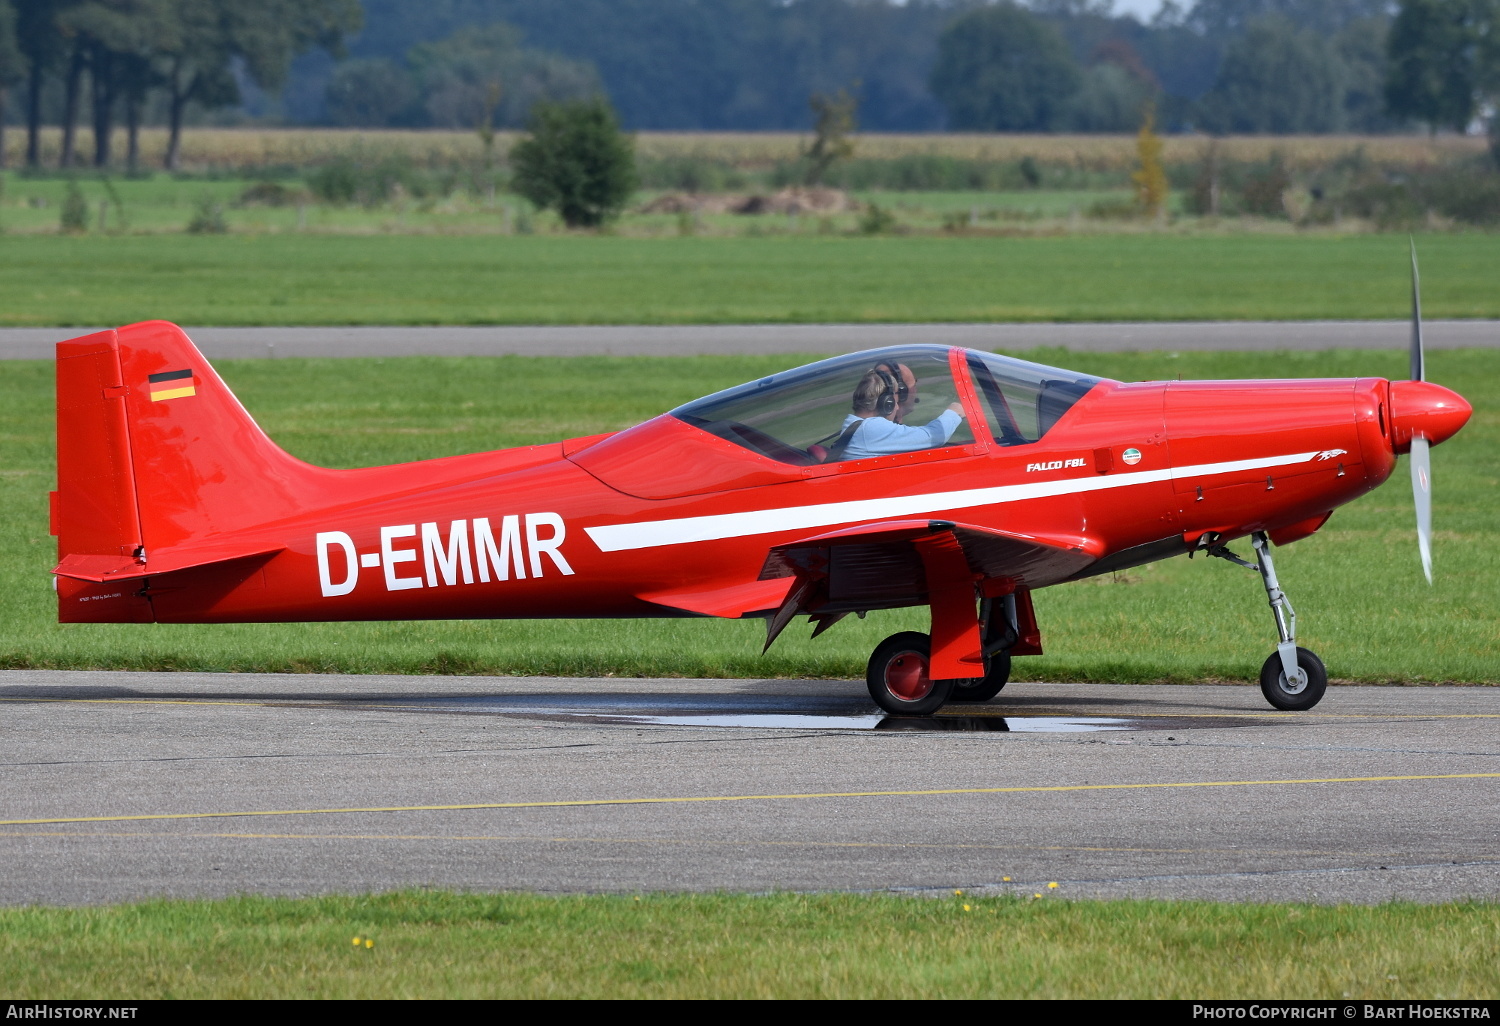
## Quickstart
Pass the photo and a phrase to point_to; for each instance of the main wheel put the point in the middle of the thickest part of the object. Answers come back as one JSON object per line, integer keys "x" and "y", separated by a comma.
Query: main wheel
{"x": 982, "y": 689}
{"x": 897, "y": 676}
{"x": 1273, "y": 682}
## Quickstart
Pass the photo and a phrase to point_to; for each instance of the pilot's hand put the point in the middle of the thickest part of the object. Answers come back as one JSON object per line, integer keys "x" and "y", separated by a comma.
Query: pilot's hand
{"x": 957, "y": 408}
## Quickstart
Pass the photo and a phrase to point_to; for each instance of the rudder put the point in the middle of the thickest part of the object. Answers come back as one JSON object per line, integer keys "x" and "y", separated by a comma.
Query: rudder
{"x": 95, "y": 510}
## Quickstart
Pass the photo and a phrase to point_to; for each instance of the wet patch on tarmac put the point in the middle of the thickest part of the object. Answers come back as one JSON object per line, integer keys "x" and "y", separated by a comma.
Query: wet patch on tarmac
{"x": 783, "y": 713}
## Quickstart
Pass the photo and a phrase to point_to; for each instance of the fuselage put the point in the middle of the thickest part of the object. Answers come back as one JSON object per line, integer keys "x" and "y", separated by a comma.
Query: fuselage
{"x": 666, "y": 519}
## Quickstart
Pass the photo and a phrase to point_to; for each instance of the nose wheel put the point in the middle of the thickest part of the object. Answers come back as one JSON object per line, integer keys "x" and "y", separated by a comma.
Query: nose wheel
{"x": 1294, "y": 694}
{"x": 1292, "y": 678}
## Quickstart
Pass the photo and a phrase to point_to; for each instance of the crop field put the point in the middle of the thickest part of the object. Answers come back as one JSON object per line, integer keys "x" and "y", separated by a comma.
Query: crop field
{"x": 252, "y": 148}
{"x": 428, "y": 944}
{"x": 287, "y": 279}
{"x": 158, "y": 204}
{"x": 1357, "y": 584}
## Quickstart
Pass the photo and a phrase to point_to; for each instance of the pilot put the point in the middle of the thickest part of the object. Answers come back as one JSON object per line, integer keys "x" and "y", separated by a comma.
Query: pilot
{"x": 884, "y": 397}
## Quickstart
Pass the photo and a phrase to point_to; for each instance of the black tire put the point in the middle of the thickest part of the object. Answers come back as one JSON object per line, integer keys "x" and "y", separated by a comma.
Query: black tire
{"x": 982, "y": 689}
{"x": 897, "y": 676}
{"x": 1273, "y": 682}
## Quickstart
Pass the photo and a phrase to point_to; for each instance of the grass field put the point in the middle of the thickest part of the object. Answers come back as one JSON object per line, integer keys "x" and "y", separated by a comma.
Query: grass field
{"x": 431, "y": 944}
{"x": 287, "y": 279}
{"x": 437, "y": 944}
{"x": 1357, "y": 585}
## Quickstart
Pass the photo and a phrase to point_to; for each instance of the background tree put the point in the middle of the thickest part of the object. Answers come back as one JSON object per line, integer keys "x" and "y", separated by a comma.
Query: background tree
{"x": 114, "y": 40}
{"x": 1150, "y": 177}
{"x": 1442, "y": 55}
{"x": 1361, "y": 47}
{"x": 1115, "y": 89}
{"x": 198, "y": 40}
{"x": 448, "y": 83}
{"x": 1227, "y": 18}
{"x": 12, "y": 65}
{"x": 575, "y": 161}
{"x": 1276, "y": 78}
{"x": 455, "y": 76}
{"x": 833, "y": 123}
{"x": 44, "y": 47}
{"x": 1002, "y": 69}
{"x": 373, "y": 92}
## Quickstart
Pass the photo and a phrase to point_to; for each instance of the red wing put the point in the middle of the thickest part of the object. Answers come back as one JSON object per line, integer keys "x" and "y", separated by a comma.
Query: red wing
{"x": 731, "y": 601}
{"x": 877, "y": 565}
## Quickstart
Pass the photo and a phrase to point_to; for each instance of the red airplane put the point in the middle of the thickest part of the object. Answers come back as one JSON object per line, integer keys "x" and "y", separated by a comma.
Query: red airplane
{"x": 821, "y": 491}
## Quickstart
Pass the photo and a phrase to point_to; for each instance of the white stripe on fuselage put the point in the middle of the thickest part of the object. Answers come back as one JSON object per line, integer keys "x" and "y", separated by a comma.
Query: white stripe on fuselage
{"x": 653, "y": 533}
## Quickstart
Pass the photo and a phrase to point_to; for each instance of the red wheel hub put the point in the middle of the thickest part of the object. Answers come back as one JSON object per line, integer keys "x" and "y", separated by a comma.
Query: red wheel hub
{"x": 906, "y": 676}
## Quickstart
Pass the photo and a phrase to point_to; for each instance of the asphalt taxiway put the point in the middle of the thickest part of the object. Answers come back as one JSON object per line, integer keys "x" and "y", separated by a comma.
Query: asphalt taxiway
{"x": 124, "y": 785}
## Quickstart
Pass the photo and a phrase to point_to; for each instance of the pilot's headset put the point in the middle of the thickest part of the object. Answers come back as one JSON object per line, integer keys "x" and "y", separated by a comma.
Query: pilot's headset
{"x": 894, "y": 393}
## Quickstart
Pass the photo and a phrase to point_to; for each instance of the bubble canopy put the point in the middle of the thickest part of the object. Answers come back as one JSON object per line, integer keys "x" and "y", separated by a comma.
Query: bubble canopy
{"x": 798, "y": 416}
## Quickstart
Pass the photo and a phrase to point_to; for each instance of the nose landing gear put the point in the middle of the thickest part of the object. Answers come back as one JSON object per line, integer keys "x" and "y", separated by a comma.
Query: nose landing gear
{"x": 1292, "y": 678}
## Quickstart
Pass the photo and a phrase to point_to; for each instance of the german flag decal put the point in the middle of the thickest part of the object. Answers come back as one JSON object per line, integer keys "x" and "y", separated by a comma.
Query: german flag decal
{"x": 172, "y": 385}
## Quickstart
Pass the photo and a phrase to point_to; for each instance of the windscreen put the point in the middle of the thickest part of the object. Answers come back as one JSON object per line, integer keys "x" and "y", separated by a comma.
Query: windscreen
{"x": 802, "y": 416}
{"x": 1023, "y": 400}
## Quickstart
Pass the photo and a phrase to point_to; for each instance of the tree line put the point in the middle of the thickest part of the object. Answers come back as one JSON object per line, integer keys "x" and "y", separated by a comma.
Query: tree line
{"x": 1223, "y": 66}
{"x": 1286, "y": 67}
{"x": 1256, "y": 66}
{"x": 119, "y": 55}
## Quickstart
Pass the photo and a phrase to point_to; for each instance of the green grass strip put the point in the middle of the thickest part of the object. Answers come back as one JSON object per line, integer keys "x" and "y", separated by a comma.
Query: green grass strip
{"x": 436, "y": 944}
{"x": 1357, "y": 585}
{"x": 303, "y": 280}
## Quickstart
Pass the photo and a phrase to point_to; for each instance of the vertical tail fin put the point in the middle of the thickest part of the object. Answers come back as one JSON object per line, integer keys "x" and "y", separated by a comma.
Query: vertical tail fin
{"x": 154, "y": 453}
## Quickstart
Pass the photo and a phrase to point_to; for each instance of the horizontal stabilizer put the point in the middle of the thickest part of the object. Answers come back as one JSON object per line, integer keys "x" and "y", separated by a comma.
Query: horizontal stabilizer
{"x": 104, "y": 569}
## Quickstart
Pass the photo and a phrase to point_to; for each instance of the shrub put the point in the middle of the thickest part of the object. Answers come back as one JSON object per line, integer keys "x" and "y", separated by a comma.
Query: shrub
{"x": 208, "y": 217}
{"x": 346, "y": 180}
{"x": 575, "y": 161}
{"x": 75, "y": 211}
{"x": 270, "y": 194}
{"x": 689, "y": 174}
{"x": 1031, "y": 172}
{"x": 1264, "y": 191}
{"x": 876, "y": 220}
{"x": 1470, "y": 194}
{"x": 336, "y": 182}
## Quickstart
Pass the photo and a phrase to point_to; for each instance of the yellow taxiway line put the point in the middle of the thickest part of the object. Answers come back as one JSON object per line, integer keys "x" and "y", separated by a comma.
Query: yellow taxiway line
{"x": 701, "y": 799}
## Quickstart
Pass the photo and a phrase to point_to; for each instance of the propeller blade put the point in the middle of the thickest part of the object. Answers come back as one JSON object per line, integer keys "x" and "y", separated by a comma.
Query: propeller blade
{"x": 1421, "y": 493}
{"x": 1418, "y": 363}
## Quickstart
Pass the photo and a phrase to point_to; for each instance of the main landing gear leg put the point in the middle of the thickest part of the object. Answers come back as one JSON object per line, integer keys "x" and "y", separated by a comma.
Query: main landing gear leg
{"x": 998, "y": 634}
{"x": 1292, "y": 678}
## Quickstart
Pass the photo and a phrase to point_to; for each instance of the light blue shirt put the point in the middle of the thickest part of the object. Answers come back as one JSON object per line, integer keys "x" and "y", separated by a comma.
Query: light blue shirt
{"x": 877, "y": 436}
